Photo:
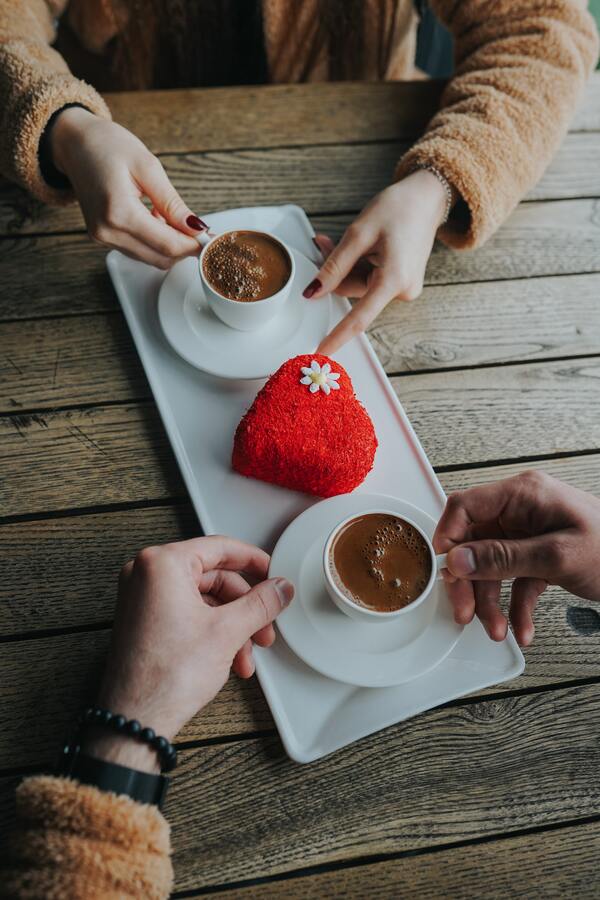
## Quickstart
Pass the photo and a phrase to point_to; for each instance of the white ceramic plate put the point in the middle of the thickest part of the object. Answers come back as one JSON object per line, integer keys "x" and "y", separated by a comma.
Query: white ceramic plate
{"x": 368, "y": 654}
{"x": 196, "y": 334}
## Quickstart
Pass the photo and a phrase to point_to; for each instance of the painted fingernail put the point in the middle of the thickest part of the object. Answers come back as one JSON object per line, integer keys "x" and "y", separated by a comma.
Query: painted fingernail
{"x": 312, "y": 288}
{"x": 196, "y": 223}
{"x": 285, "y": 590}
{"x": 462, "y": 561}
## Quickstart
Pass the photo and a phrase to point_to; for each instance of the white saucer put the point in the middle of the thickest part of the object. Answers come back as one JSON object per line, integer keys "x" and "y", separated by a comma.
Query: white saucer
{"x": 195, "y": 333}
{"x": 367, "y": 654}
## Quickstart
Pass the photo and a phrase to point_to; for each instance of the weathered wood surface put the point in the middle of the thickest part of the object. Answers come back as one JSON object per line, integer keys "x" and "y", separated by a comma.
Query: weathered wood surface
{"x": 277, "y": 115}
{"x": 118, "y": 454}
{"x": 244, "y": 810}
{"x": 526, "y": 761}
{"x": 85, "y": 359}
{"x": 85, "y": 553}
{"x": 553, "y": 865}
{"x": 326, "y": 179}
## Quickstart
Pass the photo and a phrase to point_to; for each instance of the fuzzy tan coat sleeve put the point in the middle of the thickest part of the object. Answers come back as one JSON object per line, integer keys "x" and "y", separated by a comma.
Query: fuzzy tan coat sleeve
{"x": 34, "y": 82}
{"x": 521, "y": 66}
{"x": 75, "y": 842}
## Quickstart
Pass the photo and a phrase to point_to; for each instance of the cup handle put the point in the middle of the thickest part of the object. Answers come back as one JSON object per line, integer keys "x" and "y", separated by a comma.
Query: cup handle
{"x": 204, "y": 238}
{"x": 440, "y": 563}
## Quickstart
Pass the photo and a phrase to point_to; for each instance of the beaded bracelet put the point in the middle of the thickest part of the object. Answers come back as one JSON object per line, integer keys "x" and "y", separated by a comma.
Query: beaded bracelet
{"x": 166, "y": 752}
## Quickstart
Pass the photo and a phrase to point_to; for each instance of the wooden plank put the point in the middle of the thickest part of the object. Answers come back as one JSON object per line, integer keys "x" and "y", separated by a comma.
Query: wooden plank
{"x": 66, "y": 275}
{"x": 276, "y": 115}
{"x": 327, "y": 179}
{"x": 446, "y": 776}
{"x": 120, "y": 454}
{"x": 79, "y": 360}
{"x": 490, "y": 322}
{"x": 504, "y": 412}
{"x": 83, "y": 458}
{"x": 550, "y": 864}
{"x": 582, "y": 472}
{"x": 68, "y": 361}
{"x": 76, "y": 595}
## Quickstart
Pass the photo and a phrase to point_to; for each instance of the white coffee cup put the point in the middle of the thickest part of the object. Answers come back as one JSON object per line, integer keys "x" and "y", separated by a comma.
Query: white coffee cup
{"x": 251, "y": 314}
{"x": 356, "y": 610}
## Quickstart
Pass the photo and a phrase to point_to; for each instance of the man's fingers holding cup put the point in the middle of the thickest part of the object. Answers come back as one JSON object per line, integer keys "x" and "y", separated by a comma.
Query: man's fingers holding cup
{"x": 499, "y": 559}
{"x": 487, "y": 607}
{"x": 524, "y": 596}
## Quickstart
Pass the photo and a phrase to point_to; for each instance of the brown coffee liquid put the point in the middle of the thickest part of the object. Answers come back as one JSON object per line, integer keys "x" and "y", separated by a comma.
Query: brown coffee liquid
{"x": 246, "y": 266}
{"x": 380, "y": 561}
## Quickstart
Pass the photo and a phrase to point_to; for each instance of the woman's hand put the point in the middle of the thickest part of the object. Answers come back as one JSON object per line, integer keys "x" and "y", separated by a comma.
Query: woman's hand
{"x": 382, "y": 255}
{"x": 110, "y": 171}
{"x": 532, "y": 528}
{"x": 185, "y": 617}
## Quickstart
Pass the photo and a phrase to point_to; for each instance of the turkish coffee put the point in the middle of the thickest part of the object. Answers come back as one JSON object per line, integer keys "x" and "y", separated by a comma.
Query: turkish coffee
{"x": 246, "y": 266}
{"x": 380, "y": 561}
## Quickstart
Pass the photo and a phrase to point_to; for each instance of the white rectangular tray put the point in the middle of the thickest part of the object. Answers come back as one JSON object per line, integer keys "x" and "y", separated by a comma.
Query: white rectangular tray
{"x": 314, "y": 714}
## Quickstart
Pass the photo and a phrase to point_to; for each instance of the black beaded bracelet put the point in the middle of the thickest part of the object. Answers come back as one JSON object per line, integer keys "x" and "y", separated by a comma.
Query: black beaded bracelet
{"x": 95, "y": 715}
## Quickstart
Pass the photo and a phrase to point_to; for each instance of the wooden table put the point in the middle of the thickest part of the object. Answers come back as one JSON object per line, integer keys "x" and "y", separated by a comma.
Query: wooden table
{"x": 498, "y": 367}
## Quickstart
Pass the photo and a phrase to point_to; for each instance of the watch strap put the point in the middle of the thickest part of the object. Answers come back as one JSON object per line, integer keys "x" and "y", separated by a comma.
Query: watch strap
{"x": 144, "y": 787}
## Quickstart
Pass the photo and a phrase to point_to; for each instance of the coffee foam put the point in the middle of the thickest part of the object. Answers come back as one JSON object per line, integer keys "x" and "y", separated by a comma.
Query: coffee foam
{"x": 375, "y": 551}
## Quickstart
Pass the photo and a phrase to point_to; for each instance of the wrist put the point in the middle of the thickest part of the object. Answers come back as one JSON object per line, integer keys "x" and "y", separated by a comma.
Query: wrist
{"x": 66, "y": 127}
{"x": 120, "y": 749}
{"x": 435, "y": 192}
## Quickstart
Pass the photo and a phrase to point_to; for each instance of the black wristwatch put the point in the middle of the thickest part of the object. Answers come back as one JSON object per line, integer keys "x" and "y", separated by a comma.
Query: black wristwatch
{"x": 106, "y": 776}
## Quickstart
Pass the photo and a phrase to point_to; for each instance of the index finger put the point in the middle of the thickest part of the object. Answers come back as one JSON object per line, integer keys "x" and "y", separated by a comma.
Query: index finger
{"x": 158, "y": 234}
{"x": 362, "y": 314}
{"x": 220, "y": 552}
{"x": 468, "y": 508}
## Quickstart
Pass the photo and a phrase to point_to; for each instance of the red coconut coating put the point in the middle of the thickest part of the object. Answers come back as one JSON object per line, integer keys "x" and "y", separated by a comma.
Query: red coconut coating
{"x": 319, "y": 443}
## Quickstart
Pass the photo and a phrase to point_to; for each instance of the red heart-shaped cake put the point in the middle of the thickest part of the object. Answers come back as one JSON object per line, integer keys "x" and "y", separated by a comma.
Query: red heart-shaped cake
{"x": 306, "y": 430}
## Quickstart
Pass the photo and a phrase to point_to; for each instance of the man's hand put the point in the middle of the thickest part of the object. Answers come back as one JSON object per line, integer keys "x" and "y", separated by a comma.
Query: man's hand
{"x": 185, "y": 617}
{"x": 532, "y": 528}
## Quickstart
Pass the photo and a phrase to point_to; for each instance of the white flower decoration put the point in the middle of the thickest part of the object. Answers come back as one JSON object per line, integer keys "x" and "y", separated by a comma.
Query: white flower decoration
{"x": 320, "y": 378}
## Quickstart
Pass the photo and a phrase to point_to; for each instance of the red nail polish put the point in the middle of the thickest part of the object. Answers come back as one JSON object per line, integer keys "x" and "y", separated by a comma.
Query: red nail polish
{"x": 196, "y": 223}
{"x": 312, "y": 288}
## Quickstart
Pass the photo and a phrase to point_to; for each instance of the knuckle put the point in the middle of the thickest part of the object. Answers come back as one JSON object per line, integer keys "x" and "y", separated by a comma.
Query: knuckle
{"x": 354, "y": 232}
{"x": 114, "y": 214}
{"x": 454, "y": 502}
{"x": 556, "y": 555}
{"x": 152, "y": 165}
{"x": 173, "y": 205}
{"x": 500, "y": 557}
{"x": 534, "y": 479}
{"x": 100, "y": 233}
{"x": 147, "y": 558}
{"x": 262, "y": 605}
{"x": 331, "y": 268}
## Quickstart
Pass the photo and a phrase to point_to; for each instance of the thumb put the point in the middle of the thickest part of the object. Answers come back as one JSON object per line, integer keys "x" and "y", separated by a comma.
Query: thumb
{"x": 251, "y": 612}
{"x": 498, "y": 559}
{"x": 168, "y": 202}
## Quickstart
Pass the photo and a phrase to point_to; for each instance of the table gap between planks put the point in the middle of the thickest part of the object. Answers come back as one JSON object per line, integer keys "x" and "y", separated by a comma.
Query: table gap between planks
{"x": 498, "y": 367}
